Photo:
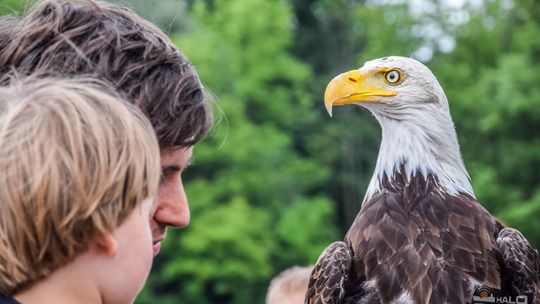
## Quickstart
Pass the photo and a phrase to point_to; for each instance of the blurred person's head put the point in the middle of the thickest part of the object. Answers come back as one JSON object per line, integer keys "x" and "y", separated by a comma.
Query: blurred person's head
{"x": 78, "y": 176}
{"x": 113, "y": 44}
{"x": 290, "y": 286}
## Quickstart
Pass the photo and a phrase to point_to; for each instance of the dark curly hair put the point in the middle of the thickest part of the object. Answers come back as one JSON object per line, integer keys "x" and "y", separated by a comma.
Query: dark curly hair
{"x": 102, "y": 40}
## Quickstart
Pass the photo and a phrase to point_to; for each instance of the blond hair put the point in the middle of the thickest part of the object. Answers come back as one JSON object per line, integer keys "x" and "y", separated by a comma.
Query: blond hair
{"x": 290, "y": 286}
{"x": 75, "y": 161}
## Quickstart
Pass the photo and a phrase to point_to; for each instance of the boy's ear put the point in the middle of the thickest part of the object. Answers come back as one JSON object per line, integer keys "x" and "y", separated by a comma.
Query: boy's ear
{"x": 107, "y": 244}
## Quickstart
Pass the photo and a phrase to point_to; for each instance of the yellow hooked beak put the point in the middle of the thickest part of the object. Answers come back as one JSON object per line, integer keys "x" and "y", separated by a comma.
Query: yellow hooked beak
{"x": 352, "y": 87}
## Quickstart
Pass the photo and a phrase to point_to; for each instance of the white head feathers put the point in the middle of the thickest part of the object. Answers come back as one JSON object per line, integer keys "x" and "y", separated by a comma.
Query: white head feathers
{"x": 417, "y": 130}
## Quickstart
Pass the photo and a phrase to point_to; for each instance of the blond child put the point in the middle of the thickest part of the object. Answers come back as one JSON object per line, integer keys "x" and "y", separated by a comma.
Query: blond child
{"x": 78, "y": 170}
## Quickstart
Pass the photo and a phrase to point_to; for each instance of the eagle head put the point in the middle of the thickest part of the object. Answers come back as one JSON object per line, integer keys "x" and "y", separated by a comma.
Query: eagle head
{"x": 387, "y": 86}
{"x": 418, "y": 134}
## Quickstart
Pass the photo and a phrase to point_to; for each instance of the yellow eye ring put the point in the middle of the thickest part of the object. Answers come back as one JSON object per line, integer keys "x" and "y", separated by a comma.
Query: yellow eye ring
{"x": 393, "y": 77}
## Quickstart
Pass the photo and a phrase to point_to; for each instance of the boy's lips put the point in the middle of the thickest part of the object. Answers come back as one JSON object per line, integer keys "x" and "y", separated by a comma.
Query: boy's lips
{"x": 156, "y": 245}
{"x": 158, "y": 235}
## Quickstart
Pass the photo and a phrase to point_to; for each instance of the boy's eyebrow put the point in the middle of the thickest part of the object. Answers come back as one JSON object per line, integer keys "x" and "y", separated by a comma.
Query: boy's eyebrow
{"x": 168, "y": 168}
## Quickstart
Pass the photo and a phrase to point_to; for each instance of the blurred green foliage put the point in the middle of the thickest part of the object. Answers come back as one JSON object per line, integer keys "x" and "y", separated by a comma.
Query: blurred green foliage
{"x": 13, "y": 6}
{"x": 278, "y": 180}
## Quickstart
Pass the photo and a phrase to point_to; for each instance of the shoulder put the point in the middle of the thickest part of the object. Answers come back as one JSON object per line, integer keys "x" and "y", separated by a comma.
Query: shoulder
{"x": 7, "y": 300}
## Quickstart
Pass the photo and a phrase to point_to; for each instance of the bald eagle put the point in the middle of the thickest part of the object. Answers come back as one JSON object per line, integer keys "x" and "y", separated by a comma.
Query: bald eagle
{"x": 420, "y": 236}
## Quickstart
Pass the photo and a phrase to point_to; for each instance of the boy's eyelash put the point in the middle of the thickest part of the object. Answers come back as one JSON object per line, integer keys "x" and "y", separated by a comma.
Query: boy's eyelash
{"x": 191, "y": 162}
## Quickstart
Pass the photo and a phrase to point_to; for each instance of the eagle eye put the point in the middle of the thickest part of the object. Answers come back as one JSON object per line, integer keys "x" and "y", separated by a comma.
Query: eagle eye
{"x": 393, "y": 77}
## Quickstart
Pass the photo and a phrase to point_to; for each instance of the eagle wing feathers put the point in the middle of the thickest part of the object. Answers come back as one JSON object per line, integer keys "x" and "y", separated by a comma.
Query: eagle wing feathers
{"x": 521, "y": 263}
{"x": 330, "y": 274}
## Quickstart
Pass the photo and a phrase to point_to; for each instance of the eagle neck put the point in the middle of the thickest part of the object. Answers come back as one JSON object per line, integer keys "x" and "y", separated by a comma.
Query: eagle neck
{"x": 413, "y": 147}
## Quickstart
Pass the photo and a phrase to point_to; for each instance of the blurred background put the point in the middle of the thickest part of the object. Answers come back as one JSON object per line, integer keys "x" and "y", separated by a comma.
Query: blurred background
{"x": 278, "y": 180}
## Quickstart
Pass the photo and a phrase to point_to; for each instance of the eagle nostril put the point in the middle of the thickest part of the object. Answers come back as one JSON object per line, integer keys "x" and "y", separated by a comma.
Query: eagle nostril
{"x": 352, "y": 79}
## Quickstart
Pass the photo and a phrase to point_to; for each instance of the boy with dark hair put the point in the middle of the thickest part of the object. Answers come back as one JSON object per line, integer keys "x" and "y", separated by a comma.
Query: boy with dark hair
{"x": 101, "y": 40}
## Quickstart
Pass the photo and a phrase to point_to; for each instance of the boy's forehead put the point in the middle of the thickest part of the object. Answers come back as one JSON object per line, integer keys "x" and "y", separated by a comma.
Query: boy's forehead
{"x": 176, "y": 156}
